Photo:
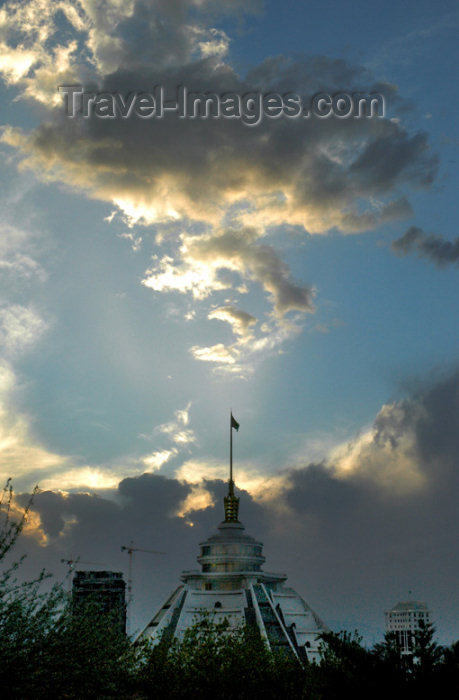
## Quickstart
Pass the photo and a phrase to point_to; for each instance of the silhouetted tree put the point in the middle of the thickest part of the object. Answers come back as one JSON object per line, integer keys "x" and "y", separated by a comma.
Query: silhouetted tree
{"x": 214, "y": 661}
{"x": 447, "y": 673}
{"x": 348, "y": 669}
{"x": 45, "y": 650}
{"x": 397, "y": 666}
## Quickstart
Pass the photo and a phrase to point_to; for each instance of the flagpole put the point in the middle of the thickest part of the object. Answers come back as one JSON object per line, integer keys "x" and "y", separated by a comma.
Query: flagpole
{"x": 231, "y": 453}
{"x": 230, "y": 501}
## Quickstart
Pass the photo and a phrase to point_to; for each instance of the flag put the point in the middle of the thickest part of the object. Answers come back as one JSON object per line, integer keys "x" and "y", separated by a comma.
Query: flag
{"x": 234, "y": 423}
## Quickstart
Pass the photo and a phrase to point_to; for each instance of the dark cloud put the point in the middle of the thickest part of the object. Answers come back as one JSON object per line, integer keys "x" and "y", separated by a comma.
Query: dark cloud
{"x": 433, "y": 247}
{"x": 437, "y": 428}
{"x": 215, "y": 174}
{"x": 381, "y": 540}
{"x": 57, "y": 509}
{"x": 154, "y": 491}
{"x": 197, "y": 166}
{"x": 236, "y": 250}
{"x": 317, "y": 173}
{"x": 353, "y": 543}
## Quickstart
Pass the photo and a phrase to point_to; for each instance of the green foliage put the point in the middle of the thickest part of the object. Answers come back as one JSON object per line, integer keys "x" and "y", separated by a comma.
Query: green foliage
{"x": 397, "y": 667}
{"x": 347, "y": 668}
{"x": 427, "y": 653}
{"x": 447, "y": 673}
{"x": 47, "y": 651}
{"x": 427, "y": 659}
{"x": 10, "y": 529}
{"x": 215, "y": 661}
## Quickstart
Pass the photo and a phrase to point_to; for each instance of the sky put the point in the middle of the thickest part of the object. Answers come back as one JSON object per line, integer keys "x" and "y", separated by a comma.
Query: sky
{"x": 156, "y": 274}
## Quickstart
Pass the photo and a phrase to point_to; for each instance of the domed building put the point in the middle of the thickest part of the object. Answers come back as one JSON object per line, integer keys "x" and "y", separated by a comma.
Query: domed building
{"x": 231, "y": 584}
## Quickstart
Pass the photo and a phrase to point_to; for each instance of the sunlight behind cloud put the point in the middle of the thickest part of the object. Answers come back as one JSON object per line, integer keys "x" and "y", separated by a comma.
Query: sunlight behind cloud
{"x": 386, "y": 453}
{"x": 156, "y": 460}
{"x": 84, "y": 477}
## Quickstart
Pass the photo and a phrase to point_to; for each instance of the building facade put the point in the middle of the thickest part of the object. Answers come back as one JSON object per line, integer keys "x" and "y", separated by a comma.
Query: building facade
{"x": 106, "y": 589}
{"x": 405, "y": 619}
{"x": 231, "y": 585}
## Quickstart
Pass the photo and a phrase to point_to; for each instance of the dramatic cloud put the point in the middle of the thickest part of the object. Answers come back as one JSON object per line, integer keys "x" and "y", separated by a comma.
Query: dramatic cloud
{"x": 411, "y": 445}
{"x": 435, "y": 248}
{"x": 318, "y": 175}
{"x": 387, "y": 453}
{"x": 204, "y": 257}
{"x": 213, "y": 221}
{"x": 208, "y": 263}
{"x": 353, "y": 532}
{"x": 226, "y": 182}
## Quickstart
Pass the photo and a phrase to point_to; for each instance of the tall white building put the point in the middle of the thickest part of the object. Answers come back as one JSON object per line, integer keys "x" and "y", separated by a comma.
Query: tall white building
{"x": 231, "y": 584}
{"x": 405, "y": 619}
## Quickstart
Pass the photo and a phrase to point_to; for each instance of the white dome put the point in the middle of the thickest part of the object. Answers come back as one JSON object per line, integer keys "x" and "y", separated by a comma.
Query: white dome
{"x": 231, "y": 585}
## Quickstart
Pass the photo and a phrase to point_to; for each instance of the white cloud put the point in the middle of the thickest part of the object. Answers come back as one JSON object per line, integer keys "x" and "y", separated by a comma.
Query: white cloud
{"x": 83, "y": 477}
{"x": 336, "y": 173}
{"x": 202, "y": 258}
{"x": 20, "y": 328}
{"x": 157, "y": 459}
{"x": 18, "y": 250}
{"x": 176, "y": 431}
{"x": 218, "y": 353}
{"x": 207, "y": 264}
{"x": 386, "y": 453}
{"x": 240, "y": 357}
{"x": 239, "y": 320}
{"x": 248, "y": 476}
{"x": 199, "y": 498}
{"x": 20, "y": 453}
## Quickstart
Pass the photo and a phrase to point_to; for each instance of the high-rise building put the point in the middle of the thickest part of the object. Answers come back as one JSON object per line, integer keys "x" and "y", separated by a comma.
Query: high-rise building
{"x": 231, "y": 584}
{"x": 405, "y": 619}
{"x": 105, "y": 589}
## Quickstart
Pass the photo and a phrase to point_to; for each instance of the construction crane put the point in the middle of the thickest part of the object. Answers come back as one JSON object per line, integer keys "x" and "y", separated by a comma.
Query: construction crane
{"x": 130, "y": 549}
{"x": 71, "y": 563}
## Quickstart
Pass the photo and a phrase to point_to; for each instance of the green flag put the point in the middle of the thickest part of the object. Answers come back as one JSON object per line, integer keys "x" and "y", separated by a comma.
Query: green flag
{"x": 234, "y": 423}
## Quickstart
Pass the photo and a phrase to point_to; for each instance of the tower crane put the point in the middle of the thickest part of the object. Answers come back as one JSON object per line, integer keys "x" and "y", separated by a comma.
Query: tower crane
{"x": 130, "y": 549}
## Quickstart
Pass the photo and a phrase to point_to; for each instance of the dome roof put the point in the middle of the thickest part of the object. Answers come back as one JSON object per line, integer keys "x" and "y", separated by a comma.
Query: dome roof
{"x": 231, "y": 585}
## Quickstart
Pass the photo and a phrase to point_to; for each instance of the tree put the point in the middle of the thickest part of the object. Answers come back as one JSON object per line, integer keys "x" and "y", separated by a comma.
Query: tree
{"x": 46, "y": 650}
{"x": 427, "y": 658}
{"x": 216, "y": 661}
{"x": 347, "y": 668}
{"x": 427, "y": 653}
{"x": 397, "y": 666}
{"x": 447, "y": 673}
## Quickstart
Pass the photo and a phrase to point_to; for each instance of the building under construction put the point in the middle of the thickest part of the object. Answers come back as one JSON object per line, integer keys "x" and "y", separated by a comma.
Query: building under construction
{"x": 105, "y": 590}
